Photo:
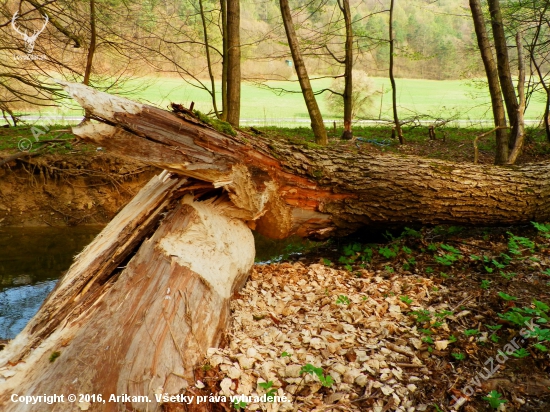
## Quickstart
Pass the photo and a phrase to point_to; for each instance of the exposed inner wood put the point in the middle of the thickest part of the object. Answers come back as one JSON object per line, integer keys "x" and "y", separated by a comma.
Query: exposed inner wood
{"x": 145, "y": 329}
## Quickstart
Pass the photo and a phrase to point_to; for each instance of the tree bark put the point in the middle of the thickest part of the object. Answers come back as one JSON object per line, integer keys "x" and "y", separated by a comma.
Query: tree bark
{"x": 311, "y": 103}
{"x": 397, "y": 129}
{"x": 223, "y": 7}
{"x": 504, "y": 71}
{"x": 491, "y": 71}
{"x": 92, "y": 47}
{"x": 233, "y": 62}
{"x": 348, "y": 72}
{"x": 209, "y": 61}
{"x": 520, "y": 129}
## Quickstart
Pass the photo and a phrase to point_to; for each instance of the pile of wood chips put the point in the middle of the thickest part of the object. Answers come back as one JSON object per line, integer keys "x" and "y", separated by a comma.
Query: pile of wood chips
{"x": 355, "y": 328}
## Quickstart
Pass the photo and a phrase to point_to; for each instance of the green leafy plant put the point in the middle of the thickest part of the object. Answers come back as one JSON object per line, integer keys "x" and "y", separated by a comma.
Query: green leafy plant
{"x": 285, "y": 354}
{"x": 387, "y": 252}
{"x": 485, "y": 284}
{"x": 269, "y": 390}
{"x": 406, "y": 299}
{"x": 432, "y": 247}
{"x": 343, "y": 300}
{"x": 408, "y": 232}
{"x": 327, "y": 262}
{"x": 540, "y": 347}
{"x": 508, "y": 276}
{"x": 507, "y": 297}
{"x": 422, "y": 315}
{"x": 451, "y": 249}
{"x": 544, "y": 229}
{"x": 427, "y": 339}
{"x": 447, "y": 259}
{"x": 238, "y": 405}
{"x": 429, "y": 270}
{"x": 520, "y": 353}
{"x": 458, "y": 356}
{"x": 326, "y": 380}
{"x": 471, "y": 332}
{"x": 495, "y": 399}
{"x": 516, "y": 243}
{"x": 515, "y": 317}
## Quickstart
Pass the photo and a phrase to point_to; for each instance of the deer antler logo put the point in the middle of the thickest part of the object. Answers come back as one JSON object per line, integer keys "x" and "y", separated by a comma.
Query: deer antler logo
{"x": 29, "y": 40}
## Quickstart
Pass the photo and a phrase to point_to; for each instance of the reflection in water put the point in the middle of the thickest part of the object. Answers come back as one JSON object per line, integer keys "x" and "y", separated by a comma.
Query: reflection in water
{"x": 19, "y": 304}
{"x": 31, "y": 261}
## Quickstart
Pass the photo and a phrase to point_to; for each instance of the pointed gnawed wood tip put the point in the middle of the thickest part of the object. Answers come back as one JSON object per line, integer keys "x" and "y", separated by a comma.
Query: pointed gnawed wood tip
{"x": 98, "y": 103}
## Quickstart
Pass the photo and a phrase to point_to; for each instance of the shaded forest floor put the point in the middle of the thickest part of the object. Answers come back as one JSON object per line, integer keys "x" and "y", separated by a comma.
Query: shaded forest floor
{"x": 401, "y": 323}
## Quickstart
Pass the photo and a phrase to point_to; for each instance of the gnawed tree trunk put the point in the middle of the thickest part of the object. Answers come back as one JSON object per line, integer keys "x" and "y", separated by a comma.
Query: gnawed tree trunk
{"x": 143, "y": 302}
{"x": 143, "y": 328}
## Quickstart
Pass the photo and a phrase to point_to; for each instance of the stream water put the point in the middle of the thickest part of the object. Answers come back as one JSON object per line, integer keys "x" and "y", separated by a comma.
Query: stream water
{"x": 33, "y": 259}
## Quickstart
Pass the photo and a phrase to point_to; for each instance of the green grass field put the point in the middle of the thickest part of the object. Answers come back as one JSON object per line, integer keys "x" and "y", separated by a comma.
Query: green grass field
{"x": 429, "y": 97}
{"x": 260, "y": 106}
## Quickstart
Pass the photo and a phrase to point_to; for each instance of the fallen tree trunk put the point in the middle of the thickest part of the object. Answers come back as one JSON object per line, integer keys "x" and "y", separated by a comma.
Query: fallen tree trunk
{"x": 283, "y": 187}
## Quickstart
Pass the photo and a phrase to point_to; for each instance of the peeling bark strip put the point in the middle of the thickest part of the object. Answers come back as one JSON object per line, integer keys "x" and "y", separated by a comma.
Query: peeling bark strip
{"x": 148, "y": 327}
{"x": 287, "y": 188}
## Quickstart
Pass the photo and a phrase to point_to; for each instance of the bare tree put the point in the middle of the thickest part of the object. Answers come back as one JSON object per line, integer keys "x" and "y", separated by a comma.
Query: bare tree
{"x": 397, "y": 126}
{"x": 233, "y": 42}
{"x": 492, "y": 78}
{"x": 312, "y": 107}
{"x": 348, "y": 70}
{"x": 503, "y": 67}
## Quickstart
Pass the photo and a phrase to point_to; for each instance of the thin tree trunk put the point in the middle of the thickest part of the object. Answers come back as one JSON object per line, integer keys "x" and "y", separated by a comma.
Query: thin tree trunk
{"x": 491, "y": 71}
{"x": 208, "y": 61}
{"x": 311, "y": 103}
{"x": 520, "y": 137}
{"x": 233, "y": 62}
{"x": 348, "y": 72}
{"x": 92, "y": 47}
{"x": 504, "y": 71}
{"x": 532, "y": 48}
{"x": 398, "y": 129}
{"x": 223, "y": 6}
